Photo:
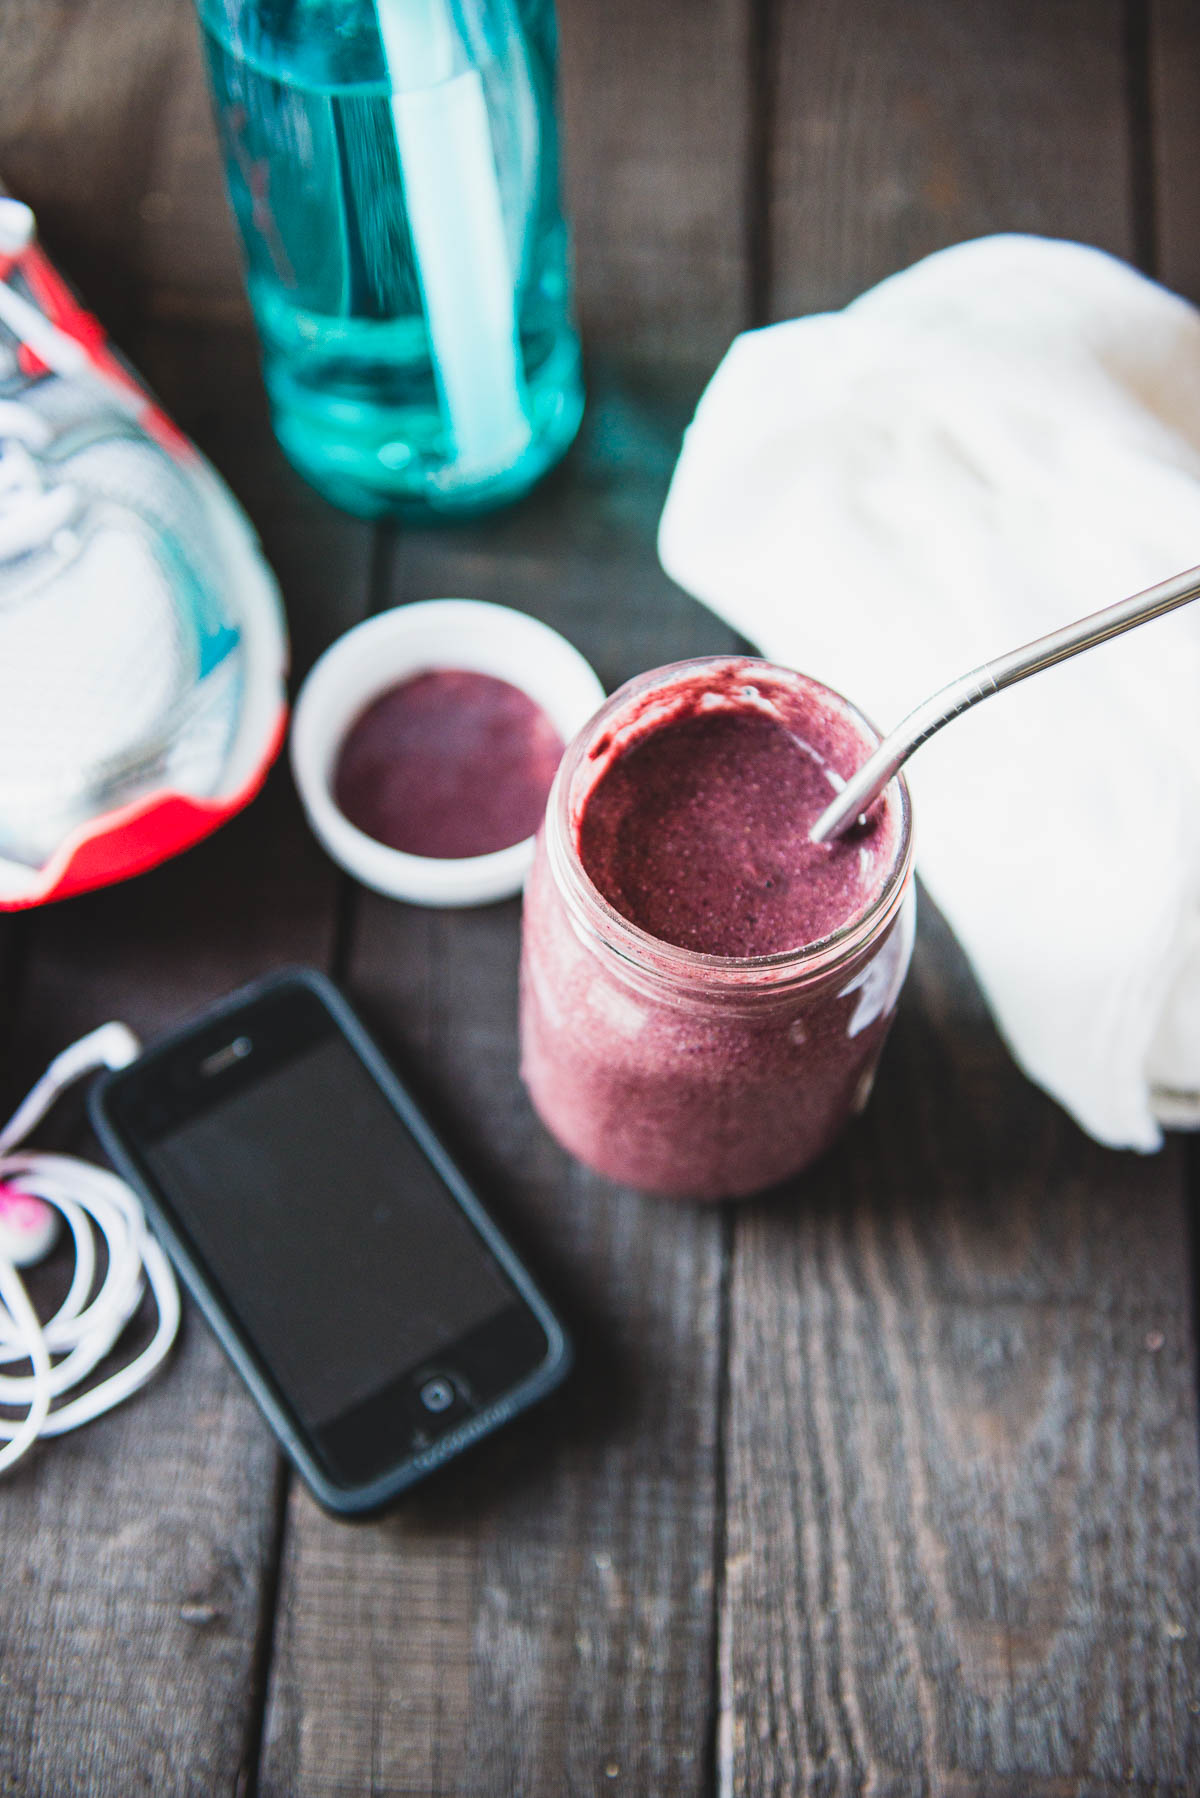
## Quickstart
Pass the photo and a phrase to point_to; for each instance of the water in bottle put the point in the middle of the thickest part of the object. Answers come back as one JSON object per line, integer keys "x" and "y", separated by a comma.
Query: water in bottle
{"x": 392, "y": 165}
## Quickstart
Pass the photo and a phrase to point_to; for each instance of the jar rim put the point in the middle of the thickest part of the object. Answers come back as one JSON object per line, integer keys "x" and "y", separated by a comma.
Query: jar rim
{"x": 652, "y": 955}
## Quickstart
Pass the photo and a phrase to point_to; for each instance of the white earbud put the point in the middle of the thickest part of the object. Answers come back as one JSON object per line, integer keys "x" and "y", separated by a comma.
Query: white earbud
{"x": 93, "y": 1203}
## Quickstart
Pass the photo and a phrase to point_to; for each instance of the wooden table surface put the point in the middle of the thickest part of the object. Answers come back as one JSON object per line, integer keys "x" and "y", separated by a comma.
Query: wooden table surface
{"x": 888, "y": 1485}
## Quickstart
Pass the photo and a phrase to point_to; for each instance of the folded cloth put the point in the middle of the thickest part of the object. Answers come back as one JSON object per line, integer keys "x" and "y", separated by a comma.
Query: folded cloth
{"x": 995, "y": 442}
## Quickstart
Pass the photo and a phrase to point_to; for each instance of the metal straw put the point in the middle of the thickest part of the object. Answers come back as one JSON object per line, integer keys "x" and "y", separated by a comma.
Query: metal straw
{"x": 981, "y": 683}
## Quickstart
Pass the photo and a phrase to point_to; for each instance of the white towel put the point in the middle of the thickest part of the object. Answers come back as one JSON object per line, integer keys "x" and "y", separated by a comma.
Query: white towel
{"x": 980, "y": 449}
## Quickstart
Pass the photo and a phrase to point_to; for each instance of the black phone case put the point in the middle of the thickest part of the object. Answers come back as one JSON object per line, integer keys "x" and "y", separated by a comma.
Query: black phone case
{"x": 355, "y": 1500}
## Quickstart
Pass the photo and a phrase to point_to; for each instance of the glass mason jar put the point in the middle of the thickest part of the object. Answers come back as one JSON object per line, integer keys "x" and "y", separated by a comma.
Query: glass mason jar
{"x": 393, "y": 169}
{"x": 696, "y": 1075}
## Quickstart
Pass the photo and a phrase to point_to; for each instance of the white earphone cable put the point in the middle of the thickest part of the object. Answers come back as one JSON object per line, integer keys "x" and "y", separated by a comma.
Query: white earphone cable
{"x": 94, "y": 1203}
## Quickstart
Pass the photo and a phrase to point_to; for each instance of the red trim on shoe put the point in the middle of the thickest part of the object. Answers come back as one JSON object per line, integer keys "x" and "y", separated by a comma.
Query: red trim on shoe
{"x": 54, "y": 297}
{"x": 140, "y": 835}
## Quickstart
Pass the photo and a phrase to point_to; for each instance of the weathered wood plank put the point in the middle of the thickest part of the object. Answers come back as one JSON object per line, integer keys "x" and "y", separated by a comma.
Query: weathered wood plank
{"x": 900, "y": 129}
{"x": 82, "y": 86}
{"x": 188, "y": 261}
{"x": 105, "y": 130}
{"x": 541, "y": 1622}
{"x": 1174, "y": 81}
{"x": 658, "y": 123}
{"x": 135, "y": 1551}
{"x": 962, "y": 1545}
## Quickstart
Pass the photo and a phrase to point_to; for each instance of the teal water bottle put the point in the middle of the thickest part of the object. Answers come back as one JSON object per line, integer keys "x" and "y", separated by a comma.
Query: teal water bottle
{"x": 393, "y": 167}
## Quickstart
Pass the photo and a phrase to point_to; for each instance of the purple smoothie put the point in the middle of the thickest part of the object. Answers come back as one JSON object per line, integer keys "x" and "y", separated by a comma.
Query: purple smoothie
{"x": 449, "y": 763}
{"x": 699, "y": 835}
{"x": 705, "y": 992}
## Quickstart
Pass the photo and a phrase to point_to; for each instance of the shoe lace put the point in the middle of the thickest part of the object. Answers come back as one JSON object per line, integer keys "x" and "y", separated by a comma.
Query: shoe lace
{"x": 31, "y": 512}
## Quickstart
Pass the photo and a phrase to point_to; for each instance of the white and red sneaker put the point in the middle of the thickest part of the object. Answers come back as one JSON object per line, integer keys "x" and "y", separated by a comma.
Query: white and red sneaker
{"x": 142, "y": 644}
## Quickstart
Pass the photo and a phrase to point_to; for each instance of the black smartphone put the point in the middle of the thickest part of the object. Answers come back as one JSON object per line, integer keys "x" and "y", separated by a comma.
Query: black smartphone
{"x": 379, "y": 1317}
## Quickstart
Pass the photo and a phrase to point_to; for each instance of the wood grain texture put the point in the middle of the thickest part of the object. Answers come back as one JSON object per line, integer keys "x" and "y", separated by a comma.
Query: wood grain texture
{"x": 188, "y": 259}
{"x": 135, "y": 1552}
{"x": 1173, "y": 68}
{"x": 962, "y": 1490}
{"x": 134, "y": 1555}
{"x": 83, "y": 85}
{"x": 542, "y": 1622}
{"x": 899, "y": 129}
{"x": 962, "y": 1543}
{"x": 658, "y": 119}
{"x": 105, "y": 130}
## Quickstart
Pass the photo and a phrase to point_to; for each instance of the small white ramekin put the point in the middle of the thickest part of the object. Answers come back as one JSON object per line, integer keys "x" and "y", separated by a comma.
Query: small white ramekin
{"x": 375, "y": 655}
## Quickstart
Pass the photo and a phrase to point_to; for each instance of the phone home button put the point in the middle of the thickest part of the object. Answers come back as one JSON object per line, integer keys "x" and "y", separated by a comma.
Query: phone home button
{"x": 437, "y": 1395}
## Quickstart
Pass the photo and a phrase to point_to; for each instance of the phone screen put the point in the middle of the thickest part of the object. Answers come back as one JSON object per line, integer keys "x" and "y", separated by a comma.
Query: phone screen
{"x": 336, "y": 1244}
